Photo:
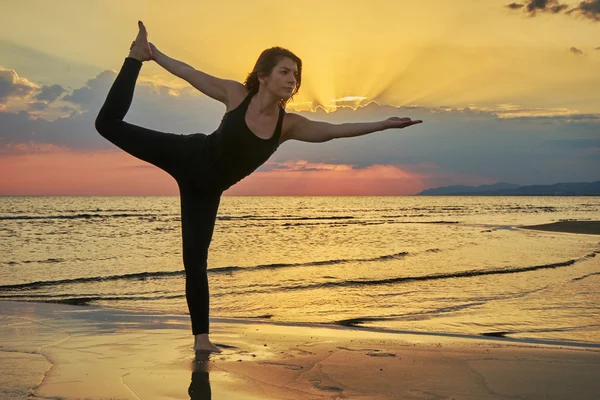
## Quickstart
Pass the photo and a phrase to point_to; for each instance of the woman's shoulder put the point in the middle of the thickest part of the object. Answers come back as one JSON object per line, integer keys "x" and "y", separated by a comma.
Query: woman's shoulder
{"x": 236, "y": 94}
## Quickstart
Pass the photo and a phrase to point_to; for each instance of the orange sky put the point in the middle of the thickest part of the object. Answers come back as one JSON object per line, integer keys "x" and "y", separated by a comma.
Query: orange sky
{"x": 58, "y": 171}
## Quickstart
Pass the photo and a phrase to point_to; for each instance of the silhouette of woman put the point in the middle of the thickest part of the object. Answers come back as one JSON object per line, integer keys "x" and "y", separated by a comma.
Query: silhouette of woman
{"x": 204, "y": 166}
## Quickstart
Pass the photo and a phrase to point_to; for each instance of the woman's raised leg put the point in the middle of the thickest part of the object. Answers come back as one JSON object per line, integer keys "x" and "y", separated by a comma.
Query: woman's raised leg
{"x": 165, "y": 150}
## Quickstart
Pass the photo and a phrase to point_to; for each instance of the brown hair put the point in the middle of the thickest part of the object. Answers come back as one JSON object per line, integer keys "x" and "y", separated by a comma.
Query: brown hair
{"x": 267, "y": 60}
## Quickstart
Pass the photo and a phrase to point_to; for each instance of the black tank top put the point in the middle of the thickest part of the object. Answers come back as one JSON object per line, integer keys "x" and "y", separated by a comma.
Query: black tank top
{"x": 236, "y": 150}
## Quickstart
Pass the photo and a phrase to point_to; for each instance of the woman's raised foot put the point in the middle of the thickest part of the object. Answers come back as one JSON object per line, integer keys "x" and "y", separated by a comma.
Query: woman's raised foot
{"x": 140, "y": 48}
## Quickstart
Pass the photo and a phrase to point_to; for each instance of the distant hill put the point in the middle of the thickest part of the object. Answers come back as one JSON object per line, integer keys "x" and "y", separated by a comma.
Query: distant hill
{"x": 507, "y": 189}
{"x": 452, "y": 190}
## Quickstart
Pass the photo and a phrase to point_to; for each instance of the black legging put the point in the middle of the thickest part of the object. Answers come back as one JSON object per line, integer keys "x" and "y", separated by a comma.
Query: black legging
{"x": 184, "y": 157}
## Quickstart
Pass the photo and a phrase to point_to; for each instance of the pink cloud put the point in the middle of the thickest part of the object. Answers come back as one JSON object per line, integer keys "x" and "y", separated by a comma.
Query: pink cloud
{"x": 300, "y": 178}
{"x": 43, "y": 169}
{"x": 61, "y": 171}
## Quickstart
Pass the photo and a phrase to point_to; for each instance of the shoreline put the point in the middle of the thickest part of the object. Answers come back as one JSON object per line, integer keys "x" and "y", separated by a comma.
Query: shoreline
{"x": 65, "y": 351}
{"x": 181, "y": 321}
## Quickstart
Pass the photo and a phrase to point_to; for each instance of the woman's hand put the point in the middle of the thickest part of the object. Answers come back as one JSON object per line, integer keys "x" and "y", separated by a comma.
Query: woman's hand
{"x": 153, "y": 50}
{"x": 140, "y": 48}
{"x": 396, "y": 122}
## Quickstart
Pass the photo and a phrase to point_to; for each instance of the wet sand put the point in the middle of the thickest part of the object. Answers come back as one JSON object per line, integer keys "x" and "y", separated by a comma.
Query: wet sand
{"x": 71, "y": 352}
{"x": 585, "y": 227}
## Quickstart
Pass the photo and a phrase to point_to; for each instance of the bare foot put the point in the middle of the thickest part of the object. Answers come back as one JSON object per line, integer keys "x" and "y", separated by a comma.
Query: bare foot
{"x": 140, "y": 49}
{"x": 202, "y": 343}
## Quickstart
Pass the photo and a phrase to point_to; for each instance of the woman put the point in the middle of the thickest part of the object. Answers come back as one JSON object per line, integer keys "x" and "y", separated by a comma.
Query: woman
{"x": 204, "y": 166}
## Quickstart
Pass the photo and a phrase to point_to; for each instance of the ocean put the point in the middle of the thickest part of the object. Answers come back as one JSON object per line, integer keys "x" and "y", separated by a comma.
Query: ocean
{"x": 447, "y": 265}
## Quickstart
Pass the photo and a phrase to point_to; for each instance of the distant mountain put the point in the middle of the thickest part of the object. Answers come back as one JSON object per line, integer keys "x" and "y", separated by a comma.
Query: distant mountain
{"x": 452, "y": 190}
{"x": 558, "y": 189}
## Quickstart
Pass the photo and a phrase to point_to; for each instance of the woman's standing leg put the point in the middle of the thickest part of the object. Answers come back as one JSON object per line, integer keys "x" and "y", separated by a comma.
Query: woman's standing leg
{"x": 198, "y": 216}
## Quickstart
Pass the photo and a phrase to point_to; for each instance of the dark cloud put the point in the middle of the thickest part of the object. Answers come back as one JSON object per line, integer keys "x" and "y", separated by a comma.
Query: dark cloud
{"x": 69, "y": 132}
{"x": 50, "y": 93}
{"x": 37, "y": 106}
{"x": 576, "y": 51}
{"x": 82, "y": 96}
{"x": 154, "y": 107}
{"x": 11, "y": 85}
{"x": 102, "y": 81}
{"x": 588, "y": 9}
{"x": 94, "y": 92}
{"x": 551, "y": 6}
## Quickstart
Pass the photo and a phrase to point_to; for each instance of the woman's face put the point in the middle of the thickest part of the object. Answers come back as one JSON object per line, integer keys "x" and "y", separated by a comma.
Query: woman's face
{"x": 283, "y": 78}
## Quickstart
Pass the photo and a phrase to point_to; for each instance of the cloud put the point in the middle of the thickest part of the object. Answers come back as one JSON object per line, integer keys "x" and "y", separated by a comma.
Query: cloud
{"x": 154, "y": 106}
{"x": 43, "y": 67}
{"x": 94, "y": 91}
{"x": 576, "y": 51}
{"x": 300, "y": 177}
{"x": 589, "y": 9}
{"x": 551, "y": 6}
{"x": 82, "y": 96}
{"x": 472, "y": 145}
{"x": 534, "y": 6}
{"x": 38, "y": 106}
{"x": 11, "y": 85}
{"x": 50, "y": 93}
{"x": 30, "y": 147}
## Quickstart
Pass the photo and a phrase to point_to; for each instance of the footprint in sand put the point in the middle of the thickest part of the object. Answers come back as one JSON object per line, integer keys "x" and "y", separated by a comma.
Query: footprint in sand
{"x": 381, "y": 354}
{"x": 370, "y": 352}
{"x": 346, "y": 348}
{"x": 295, "y": 367}
{"x": 303, "y": 352}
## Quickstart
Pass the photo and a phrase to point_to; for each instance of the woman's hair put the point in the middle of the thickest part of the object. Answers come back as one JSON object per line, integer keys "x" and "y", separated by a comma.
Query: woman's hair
{"x": 267, "y": 60}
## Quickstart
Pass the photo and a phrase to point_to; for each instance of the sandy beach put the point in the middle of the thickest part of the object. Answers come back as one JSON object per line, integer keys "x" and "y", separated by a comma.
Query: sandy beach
{"x": 584, "y": 227}
{"x": 71, "y": 352}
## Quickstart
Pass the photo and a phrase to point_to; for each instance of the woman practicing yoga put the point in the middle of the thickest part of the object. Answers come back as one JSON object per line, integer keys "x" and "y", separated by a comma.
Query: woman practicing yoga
{"x": 204, "y": 166}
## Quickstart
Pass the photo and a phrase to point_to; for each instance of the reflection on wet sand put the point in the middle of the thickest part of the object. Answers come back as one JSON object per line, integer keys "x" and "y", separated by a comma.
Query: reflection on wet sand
{"x": 200, "y": 386}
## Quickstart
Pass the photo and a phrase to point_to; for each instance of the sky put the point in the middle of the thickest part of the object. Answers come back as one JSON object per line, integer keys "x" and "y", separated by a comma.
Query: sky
{"x": 508, "y": 91}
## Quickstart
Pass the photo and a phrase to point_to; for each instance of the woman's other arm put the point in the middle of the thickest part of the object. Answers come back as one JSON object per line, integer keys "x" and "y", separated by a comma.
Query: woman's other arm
{"x": 212, "y": 86}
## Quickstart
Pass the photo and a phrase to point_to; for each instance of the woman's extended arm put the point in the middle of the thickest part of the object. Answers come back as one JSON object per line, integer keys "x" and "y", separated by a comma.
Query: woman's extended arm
{"x": 216, "y": 88}
{"x": 306, "y": 130}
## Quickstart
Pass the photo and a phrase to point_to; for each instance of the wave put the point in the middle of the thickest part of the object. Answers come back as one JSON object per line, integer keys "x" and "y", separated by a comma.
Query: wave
{"x": 75, "y": 216}
{"x": 138, "y": 276}
{"x": 453, "y": 275}
{"x": 585, "y": 276}
{"x": 163, "y": 274}
{"x": 343, "y": 283}
{"x": 84, "y": 301}
{"x": 283, "y": 217}
{"x": 421, "y": 315}
{"x": 48, "y": 260}
{"x": 55, "y": 260}
{"x": 386, "y": 257}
